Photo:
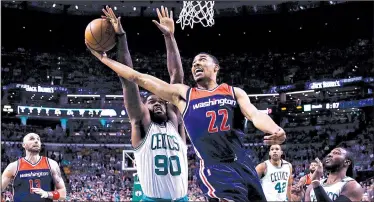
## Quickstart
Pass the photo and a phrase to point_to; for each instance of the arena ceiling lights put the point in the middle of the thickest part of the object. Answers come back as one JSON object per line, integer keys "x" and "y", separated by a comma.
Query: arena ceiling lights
{"x": 130, "y": 8}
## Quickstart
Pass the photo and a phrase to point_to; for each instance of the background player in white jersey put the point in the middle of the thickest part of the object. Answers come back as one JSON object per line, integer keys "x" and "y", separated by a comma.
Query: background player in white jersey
{"x": 157, "y": 131}
{"x": 337, "y": 186}
{"x": 276, "y": 176}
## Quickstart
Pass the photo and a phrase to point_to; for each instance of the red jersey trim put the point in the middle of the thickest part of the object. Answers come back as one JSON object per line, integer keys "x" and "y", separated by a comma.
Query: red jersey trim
{"x": 26, "y": 165}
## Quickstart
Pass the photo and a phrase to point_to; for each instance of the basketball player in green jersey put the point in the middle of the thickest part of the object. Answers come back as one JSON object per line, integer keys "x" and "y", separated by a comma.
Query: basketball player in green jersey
{"x": 137, "y": 192}
{"x": 157, "y": 136}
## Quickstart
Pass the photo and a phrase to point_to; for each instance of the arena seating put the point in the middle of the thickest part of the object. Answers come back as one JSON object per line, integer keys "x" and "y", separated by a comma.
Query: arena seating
{"x": 92, "y": 166}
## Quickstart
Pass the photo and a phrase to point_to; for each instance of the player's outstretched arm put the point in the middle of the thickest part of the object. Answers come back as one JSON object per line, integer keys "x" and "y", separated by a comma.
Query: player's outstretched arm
{"x": 302, "y": 181}
{"x": 173, "y": 93}
{"x": 174, "y": 62}
{"x": 131, "y": 96}
{"x": 8, "y": 175}
{"x": 260, "y": 120}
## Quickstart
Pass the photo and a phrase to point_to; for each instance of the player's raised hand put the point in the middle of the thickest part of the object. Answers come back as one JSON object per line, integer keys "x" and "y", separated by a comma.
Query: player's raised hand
{"x": 166, "y": 24}
{"x": 41, "y": 192}
{"x": 277, "y": 138}
{"x": 96, "y": 53}
{"x": 296, "y": 193}
{"x": 116, "y": 22}
{"x": 318, "y": 173}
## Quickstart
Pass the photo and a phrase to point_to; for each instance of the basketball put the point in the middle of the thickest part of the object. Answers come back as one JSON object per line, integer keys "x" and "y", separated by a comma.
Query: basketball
{"x": 100, "y": 35}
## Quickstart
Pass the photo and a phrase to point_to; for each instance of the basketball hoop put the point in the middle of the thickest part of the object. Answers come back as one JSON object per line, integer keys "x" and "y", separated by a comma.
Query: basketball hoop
{"x": 197, "y": 12}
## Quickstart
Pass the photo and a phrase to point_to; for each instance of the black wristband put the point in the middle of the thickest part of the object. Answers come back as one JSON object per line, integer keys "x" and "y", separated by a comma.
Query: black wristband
{"x": 321, "y": 194}
{"x": 121, "y": 34}
{"x": 342, "y": 198}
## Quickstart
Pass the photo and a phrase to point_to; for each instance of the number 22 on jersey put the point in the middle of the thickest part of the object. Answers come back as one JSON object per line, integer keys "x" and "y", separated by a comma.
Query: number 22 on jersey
{"x": 213, "y": 116}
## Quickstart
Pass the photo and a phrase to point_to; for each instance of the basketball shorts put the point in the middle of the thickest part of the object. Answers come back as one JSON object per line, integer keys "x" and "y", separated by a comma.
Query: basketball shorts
{"x": 233, "y": 181}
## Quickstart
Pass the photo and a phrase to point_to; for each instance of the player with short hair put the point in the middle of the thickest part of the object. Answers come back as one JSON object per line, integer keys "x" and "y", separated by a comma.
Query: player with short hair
{"x": 298, "y": 190}
{"x": 209, "y": 110}
{"x": 307, "y": 179}
{"x": 35, "y": 178}
{"x": 157, "y": 130}
{"x": 338, "y": 186}
{"x": 276, "y": 176}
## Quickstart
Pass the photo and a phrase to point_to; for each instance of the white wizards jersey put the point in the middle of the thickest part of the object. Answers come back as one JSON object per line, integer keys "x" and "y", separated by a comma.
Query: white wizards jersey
{"x": 161, "y": 163}
{"x": 332, "y": 190}
{"x": 275, "y": 181}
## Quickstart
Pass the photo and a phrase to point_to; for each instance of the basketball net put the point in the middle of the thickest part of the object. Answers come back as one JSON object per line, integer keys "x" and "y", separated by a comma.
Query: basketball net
{"x": 197, "y": 12}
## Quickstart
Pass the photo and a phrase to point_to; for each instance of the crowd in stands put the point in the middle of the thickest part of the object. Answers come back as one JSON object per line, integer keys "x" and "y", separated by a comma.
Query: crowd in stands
{"x": 69, "y": 69}
{"x": 94, "y": 173}
{"x": 94, "y": 133}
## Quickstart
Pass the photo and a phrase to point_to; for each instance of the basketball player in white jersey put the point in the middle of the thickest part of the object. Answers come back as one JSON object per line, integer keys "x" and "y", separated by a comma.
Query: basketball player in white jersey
{"x": 337, "y": 186}
{"x": 276, "y": 176}
{"x": 157, "y": 130}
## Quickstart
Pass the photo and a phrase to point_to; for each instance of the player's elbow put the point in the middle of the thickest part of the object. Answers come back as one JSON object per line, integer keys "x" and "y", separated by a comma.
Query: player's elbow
{"x": 135, "y": 78}
{"x": 4, "y": 182}
{"x": 3, "y": 186}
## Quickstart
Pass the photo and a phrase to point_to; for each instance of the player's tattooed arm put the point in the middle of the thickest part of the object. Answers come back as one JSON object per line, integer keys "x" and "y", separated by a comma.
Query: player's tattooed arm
{"x": 8, "y": 175}
{"x": 174, "y": 62}
{"x": 57, "y": 179}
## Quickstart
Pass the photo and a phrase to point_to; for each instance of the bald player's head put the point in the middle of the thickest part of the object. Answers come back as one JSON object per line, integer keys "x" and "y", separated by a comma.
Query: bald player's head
{"x": 31, "y": 143}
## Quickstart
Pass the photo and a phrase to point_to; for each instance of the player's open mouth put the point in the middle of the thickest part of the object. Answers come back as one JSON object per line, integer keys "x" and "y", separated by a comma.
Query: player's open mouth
{"x": 157, "y": 109}
{"x": 327, "y": 160}
{"x": 198, "y": 70}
